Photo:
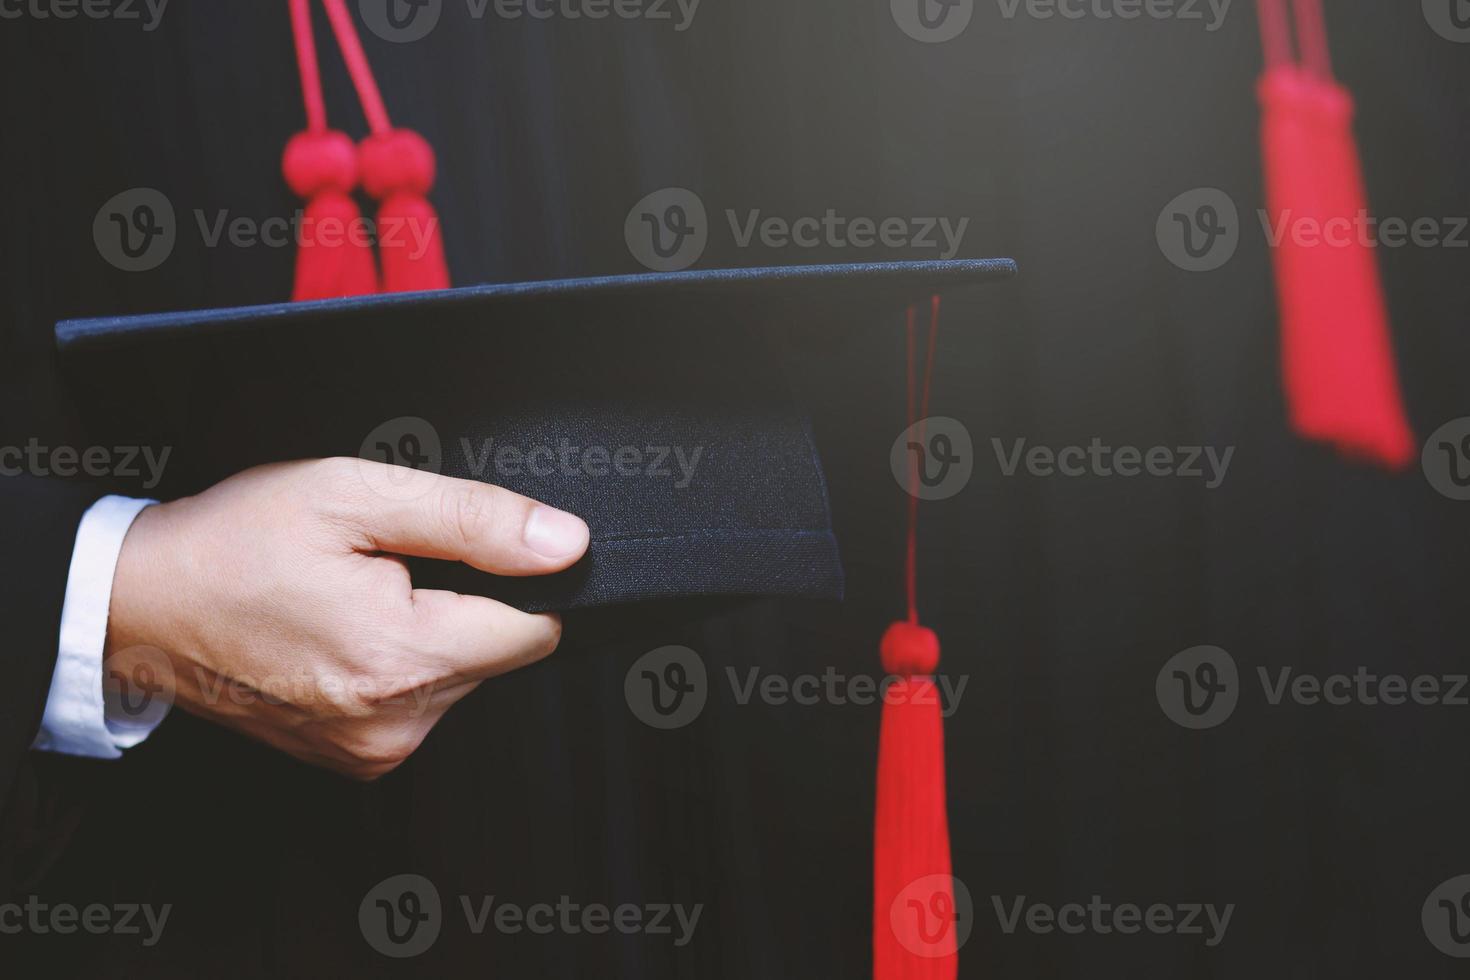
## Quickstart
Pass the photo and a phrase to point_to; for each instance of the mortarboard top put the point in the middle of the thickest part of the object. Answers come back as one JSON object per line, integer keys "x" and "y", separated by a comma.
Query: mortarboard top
{"x": 654, "y": 406}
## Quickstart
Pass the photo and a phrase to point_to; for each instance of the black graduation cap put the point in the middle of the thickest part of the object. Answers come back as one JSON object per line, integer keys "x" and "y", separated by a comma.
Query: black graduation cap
{"x": 654, "y": 406}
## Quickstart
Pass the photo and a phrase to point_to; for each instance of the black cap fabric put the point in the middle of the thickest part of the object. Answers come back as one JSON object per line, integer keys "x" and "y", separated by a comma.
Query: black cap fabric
{"x": 653, "y": 406}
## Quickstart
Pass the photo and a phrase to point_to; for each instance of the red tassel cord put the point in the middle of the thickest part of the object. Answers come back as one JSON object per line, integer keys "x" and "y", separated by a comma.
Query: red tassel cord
{"x": 333, "y": 256}
{"x": 915, "y": 924}
{"x": 1338, "y": 365}
{"x": 398, "y": 170}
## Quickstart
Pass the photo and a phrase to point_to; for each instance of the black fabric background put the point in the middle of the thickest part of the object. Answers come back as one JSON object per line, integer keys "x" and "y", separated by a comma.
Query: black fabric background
{"x": 1059, "y": 599}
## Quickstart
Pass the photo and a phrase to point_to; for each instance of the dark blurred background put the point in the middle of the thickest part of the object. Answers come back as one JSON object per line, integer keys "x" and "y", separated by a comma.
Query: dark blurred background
{"x": 1060, "y": 599}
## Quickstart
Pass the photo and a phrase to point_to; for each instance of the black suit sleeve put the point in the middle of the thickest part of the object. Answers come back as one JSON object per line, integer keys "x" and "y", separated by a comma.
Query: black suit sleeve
{"x": 38, "y": 528}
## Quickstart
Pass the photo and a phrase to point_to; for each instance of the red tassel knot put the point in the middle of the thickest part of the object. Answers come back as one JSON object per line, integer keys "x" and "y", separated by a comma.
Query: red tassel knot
{"x": 909, "y": 650}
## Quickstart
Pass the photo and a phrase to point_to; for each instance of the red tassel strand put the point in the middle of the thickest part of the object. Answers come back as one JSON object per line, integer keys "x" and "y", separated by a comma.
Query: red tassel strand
{"x": 915, "y": 930}
{"x": 1341, "y": 380}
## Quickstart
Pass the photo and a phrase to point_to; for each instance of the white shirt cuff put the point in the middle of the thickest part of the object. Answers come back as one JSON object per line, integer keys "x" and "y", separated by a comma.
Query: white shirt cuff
{"x": 76, "y": 720}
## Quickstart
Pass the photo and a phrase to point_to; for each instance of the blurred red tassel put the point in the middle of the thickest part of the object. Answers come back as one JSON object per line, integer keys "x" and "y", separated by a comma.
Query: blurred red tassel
{"x": 398, "y": 169}
{"x": 1342, "y": 384}
{"x": 915, "y": 925}
{"x": 334, "y": 256}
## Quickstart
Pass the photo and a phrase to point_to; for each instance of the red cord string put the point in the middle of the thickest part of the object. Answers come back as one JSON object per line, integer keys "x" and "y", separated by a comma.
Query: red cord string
{"x": 1311, "y": 37}
{"x": 1275, "y": 33}
{"x": 911, "y": 549}
{"x": 310, "y": 69}
{"x": 358, "y": 67}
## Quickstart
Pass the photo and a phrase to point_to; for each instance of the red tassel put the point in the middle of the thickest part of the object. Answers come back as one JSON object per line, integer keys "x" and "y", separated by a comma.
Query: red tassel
{"x": 915, "y": 924}
{"x": 398, "y": 169}
{"x": 1341, "y": 381}
{"x": 334, "y": 256}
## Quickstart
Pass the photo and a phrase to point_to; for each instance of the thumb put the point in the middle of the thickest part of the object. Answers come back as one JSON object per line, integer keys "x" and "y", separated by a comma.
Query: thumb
{"x": 485, "y": 526}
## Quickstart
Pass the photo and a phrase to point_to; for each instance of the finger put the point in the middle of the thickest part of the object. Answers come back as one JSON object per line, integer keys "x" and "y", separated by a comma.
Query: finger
{"x": 482, "y": 525}
{"x": 472, "y": 638}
